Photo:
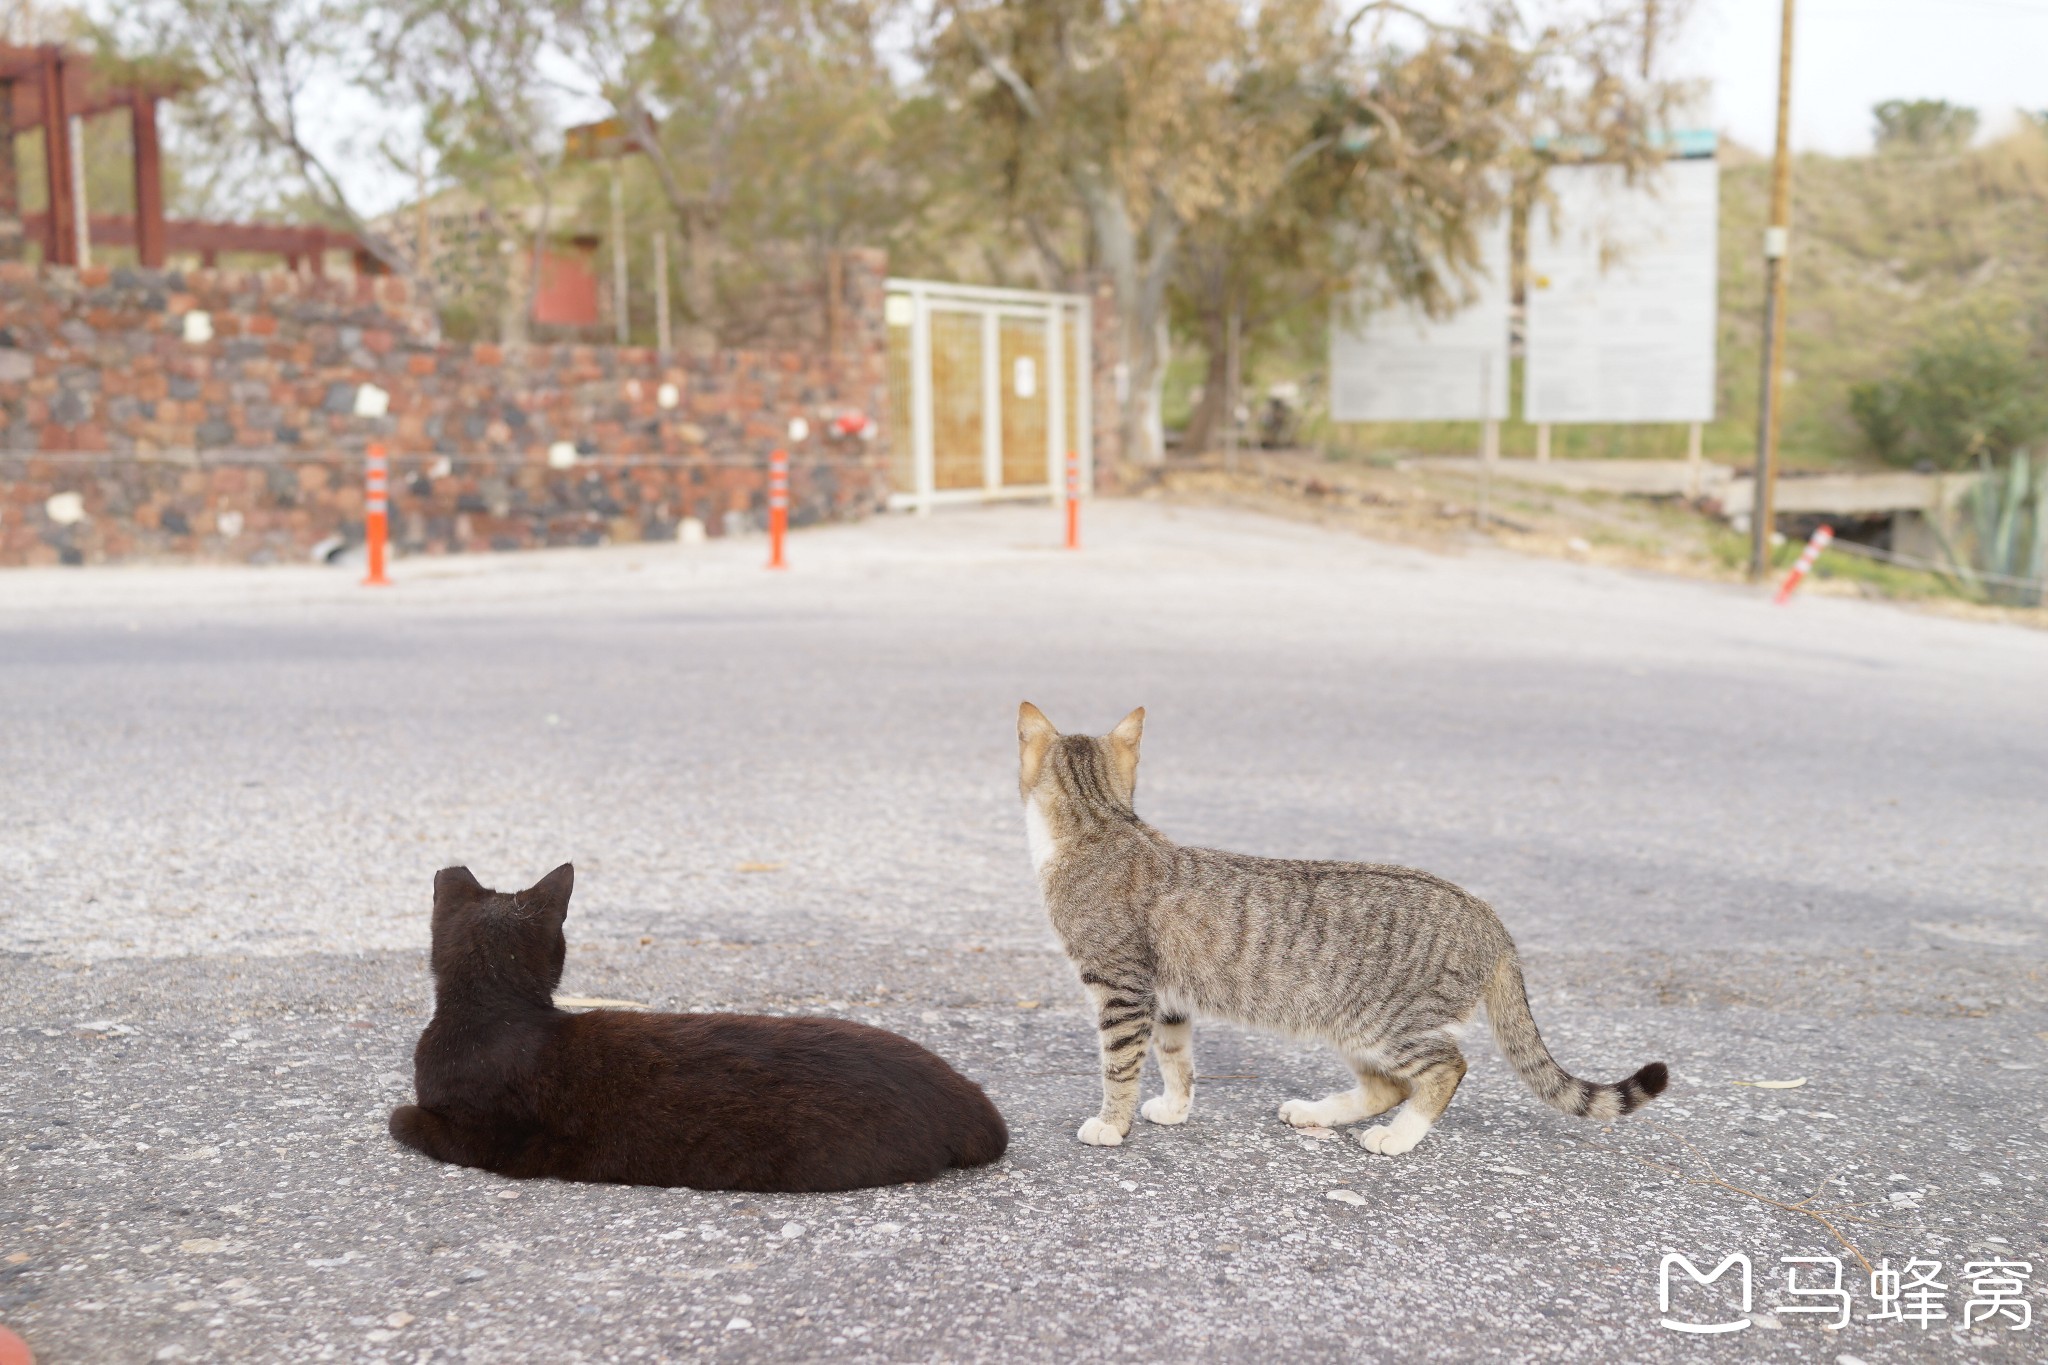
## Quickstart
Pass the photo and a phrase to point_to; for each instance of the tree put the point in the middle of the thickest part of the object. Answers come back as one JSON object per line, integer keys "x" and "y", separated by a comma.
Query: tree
{"x": 267, "y": 65}
{"x": 472, "y": 70}
{"x": 1967, "y": 397}
{"x": 1226, "y": 135}
{"x": 768, "y": 124}
{"x": 1383, "y": 180}
{"x": 1924, "y": 125}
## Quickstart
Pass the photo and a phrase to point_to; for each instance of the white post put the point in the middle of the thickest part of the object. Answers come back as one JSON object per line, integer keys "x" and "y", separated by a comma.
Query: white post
{"x": 991, "y": 401}
{"x": 76, "y": 133}
{"x": 1084, "y": 389}
{"x": 1543, "y": 443}
{"x": 921, "y": 414}
{"x": 619, "y": 319}
{"x": 1694, "y": 470}
{"x": 1055, "y": 398}
{"x": 662, "y": 335}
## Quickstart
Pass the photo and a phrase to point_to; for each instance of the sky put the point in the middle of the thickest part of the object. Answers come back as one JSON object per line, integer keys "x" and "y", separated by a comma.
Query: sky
{"x": 1848, "y": 55}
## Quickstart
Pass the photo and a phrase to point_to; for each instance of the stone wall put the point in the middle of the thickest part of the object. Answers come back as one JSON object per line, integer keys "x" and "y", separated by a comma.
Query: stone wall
{"x": 212, "y": 414}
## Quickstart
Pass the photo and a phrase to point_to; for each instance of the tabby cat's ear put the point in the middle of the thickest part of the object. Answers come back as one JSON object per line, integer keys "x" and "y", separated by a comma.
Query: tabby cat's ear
{"x": 551, "y": 892}
{"x": 1123, "y": 747}
{"x": 1034, "y": 739}
{"x": 455, "y": 886}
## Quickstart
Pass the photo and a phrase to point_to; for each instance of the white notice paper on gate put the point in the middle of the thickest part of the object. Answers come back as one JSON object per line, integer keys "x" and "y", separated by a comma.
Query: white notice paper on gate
{"x": 1400, "y": 365}
{"x": 1621, "y": 281}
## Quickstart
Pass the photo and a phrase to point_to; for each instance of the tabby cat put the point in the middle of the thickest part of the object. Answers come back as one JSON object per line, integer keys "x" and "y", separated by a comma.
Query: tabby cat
{"x": 1385, "y": 963}
{"x": 509, "y": 1083}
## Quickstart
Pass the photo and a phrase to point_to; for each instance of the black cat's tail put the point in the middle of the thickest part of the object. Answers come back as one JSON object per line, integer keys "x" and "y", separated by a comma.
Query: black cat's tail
{"x": 984, "y": 1136}
{"x": 425, "y": 1131}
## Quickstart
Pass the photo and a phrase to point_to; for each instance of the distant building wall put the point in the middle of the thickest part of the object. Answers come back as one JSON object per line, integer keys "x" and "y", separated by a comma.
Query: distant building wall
{"x": 567, "y": 296}
{"x": 237, "y": 439}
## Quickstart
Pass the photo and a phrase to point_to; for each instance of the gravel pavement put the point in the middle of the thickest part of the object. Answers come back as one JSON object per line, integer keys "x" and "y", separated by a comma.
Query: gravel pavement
{"x": 1760, "y": 844}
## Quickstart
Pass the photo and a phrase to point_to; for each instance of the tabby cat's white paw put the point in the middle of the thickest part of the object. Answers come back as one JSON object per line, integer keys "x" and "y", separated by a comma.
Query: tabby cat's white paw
{"x": 1388, "y": 1140}
{"x": 1165, "y": 1109}
{"x": 1096, "y": 1133}
{"x": 1303, "y": 1114}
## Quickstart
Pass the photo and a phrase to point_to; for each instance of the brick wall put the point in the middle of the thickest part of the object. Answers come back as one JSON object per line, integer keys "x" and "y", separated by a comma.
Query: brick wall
{"x": 244, "y": 445}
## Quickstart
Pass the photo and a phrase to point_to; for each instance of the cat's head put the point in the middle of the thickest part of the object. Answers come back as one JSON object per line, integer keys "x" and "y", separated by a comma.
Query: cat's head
{"x": 507, "y": 938}
{"x": 1091, "y": 772}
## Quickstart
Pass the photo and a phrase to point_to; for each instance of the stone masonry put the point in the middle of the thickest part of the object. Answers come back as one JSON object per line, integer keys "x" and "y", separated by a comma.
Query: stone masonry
{"x": 210, "y": 414}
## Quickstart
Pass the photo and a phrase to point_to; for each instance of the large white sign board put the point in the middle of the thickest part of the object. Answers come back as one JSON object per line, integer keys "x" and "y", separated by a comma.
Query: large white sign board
{"x": 1400, "y": 365}
{"x": 1621, "y": 319}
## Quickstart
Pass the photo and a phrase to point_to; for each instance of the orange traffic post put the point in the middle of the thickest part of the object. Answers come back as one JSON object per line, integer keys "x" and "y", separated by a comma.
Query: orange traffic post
{"x": 1820, "y": 541}
{"x": 778, "y": 507}
{"x": 1073, "y": 500}
{"x": 376, "y": 520}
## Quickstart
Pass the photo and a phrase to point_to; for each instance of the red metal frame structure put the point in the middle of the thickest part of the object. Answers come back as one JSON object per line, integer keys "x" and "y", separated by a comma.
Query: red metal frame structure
{"x": 207, "y": 240}
{"x": 46, "y": 86}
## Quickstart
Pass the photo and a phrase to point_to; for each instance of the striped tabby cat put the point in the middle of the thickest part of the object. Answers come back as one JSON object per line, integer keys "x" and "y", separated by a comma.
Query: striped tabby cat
{"x": 1384, "y": 963}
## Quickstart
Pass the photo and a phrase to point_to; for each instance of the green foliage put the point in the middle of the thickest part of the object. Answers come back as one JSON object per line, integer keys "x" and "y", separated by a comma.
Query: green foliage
{"x": 1924, "y": 125}
{"x": 2009, "y": 528}
{"x": 1967, "y": 397}
{"x": 1886, "y": 253}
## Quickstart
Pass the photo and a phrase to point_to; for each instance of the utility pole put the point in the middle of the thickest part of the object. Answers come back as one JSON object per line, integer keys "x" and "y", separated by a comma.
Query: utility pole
{"x": 1777, "y": 236}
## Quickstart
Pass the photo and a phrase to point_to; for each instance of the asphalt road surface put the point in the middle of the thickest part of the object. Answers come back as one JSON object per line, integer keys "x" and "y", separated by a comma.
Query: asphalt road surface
{"x": 1763, "y": 845}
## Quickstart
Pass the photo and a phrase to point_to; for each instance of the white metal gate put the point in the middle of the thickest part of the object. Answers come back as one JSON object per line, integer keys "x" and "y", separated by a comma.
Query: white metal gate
{"x": 988, "y": 391}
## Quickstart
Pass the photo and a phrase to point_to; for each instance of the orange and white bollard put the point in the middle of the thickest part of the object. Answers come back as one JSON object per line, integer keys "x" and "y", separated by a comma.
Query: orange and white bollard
{"x": 1807, "y": 556}
{"x": 376, "y": 514}
{"x": 778, "y": 507}
{"x": 1073, "y": 500}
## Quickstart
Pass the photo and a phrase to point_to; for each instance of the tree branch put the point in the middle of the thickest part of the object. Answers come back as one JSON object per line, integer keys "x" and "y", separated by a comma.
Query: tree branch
{"x": 1026, "y": 97}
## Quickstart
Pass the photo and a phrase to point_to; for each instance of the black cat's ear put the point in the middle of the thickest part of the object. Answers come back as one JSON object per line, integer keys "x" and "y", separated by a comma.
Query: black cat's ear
{"x": 552, "y": 891}
{"x": 455, "y": 886}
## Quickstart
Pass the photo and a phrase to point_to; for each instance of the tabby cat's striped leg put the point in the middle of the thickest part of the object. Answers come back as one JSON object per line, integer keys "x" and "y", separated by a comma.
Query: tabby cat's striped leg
{"x": 1174, "y": 1041}
{"x": 1123, "y": 1022}
{"x": 1431, "y": 1081}
{"x": 1375, "y": 1094}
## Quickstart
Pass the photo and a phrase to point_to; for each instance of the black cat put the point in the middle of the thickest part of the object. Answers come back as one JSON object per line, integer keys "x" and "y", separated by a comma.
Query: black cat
{"x": 511, "y": 1084}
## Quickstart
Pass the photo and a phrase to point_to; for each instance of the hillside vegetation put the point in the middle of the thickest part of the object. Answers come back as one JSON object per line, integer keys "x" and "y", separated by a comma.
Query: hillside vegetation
{"x": 1888, "y": 251}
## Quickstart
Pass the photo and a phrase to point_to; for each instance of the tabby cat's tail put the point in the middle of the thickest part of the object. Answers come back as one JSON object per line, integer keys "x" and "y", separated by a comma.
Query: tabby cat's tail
{"x": 1507, "y": 1010}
